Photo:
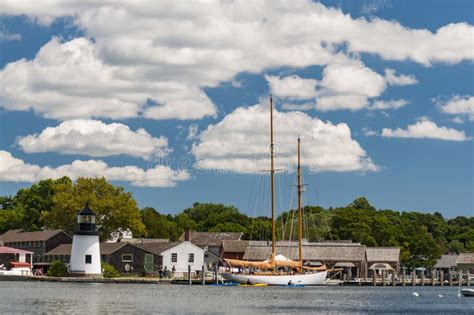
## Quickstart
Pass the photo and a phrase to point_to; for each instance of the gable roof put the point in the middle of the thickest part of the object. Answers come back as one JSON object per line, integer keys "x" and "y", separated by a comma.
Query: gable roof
{"x": 383, "y": 254}
{"x": 183, "y": 243}
{"x": 11, "y": 250}
{"x": 20, "y": 236}
{"x": 446, "y": 261}
{"x": 105, "y": 249}
{"x": 211, "y": 238}
{"x": 314, "y": 252}
{"x": 231, "y": 246}
{"x": 158, "y": 247}
{"x": 466, "y": 258}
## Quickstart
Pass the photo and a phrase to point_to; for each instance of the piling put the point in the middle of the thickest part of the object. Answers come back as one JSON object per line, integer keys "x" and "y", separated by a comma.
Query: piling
{"x": 433, "y": 279}
{"x": 441, "y": 278}
{"x": 394, "y": 281}
{"x": 189, "y": 275}
{"x": 413, "y": 278}
{"x": 374, "y": 278}
{"x": 384, "y": 272}
{"x": 460, "y": 278}
{"x": 403, "y": 278}
{"x": 468, "y": 279}
{"x": 215, "y": 274}
{"x": 203, "y": 272}
{"x": 450, "y": 279}
{"x": 423, "y": 278}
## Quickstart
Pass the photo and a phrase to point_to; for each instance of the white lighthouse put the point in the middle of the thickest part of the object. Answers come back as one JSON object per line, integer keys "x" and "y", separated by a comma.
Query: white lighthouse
{"x": 85, "y": 253}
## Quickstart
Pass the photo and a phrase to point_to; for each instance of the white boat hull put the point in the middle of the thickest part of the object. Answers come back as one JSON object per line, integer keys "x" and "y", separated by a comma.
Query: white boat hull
{"x": 317, "y": 278}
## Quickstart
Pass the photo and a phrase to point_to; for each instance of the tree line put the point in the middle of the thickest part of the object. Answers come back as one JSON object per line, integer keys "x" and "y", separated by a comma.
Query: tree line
{"x": 54, "y": 203}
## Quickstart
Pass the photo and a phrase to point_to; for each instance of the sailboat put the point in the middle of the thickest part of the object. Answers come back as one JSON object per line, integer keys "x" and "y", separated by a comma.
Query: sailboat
{"x": 268, "y": 273}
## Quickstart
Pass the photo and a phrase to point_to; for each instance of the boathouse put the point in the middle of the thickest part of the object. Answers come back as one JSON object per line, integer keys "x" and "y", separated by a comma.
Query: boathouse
{"x": 211, "y": 240}
{"x": 125, "y": 257}
{"x": 447, "y": 263}
{"x": 38, "y": 242}
{"x": 182, "y": 255}
{"x": 381, "y": 259}
{"x": 9, "y": 254}
{"x": 465, "y": 262}
{"x": 232, "y": 249}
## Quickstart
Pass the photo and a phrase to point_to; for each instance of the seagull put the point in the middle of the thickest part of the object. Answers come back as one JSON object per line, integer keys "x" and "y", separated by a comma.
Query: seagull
{"x": 440, "y": 295}
{"x": 416, "y": 294}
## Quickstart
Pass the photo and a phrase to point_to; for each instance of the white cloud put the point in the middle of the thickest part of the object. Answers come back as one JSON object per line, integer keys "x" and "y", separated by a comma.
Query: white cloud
{"x": 459, "y": 105}
{"x": 69, "y": 80}
{"x": 348, "y": 86}
{"x": 239, "y": 143}
{"x": 368, "y": 132}
{"x": 16, "y": 170}
{"x": 95, "y": 138}
{"x": 169, "y": 51}
{"x": 192, "y": 131}
{"x": 292, "y": 87}
{"x": 303, "y": 106}
{"x": 5, "y": 36}
{"x": 402, "y": 79}
{"x": 391, "y": 104}
{"x": 426, "y": 129}
{"x": 457, "y": 120}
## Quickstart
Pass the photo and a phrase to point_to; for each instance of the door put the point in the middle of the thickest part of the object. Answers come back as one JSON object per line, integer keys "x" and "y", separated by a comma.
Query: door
{"x": 149, "y": 262}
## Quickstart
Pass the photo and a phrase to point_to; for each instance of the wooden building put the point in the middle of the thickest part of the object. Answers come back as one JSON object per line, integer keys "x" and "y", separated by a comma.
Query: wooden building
{"x": 210, "y": 240}
{"x": 447, "y": 263}
{"x": 382, "y": 259}
{"x": 10, "y": 254}
{"x": 465, "y": 262}
{"x": 37, "y": 242}
{"x": 233, "y": 249}
{"x": 125, "y": 257}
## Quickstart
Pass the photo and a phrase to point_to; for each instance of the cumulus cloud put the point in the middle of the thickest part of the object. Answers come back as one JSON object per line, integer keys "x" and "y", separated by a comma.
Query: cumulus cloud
{"x": 391, "y": 104}
{"x": 426, "y": 129}
{"x": 292, "y": 87}
{"x": 458, "y": 105}
{"x": 239, "y": 143}
{"x": 16, "y": 170}
{"x": 70, "y": 80}
{"x": 95, "y": 138}
{"x": 393, "y": 79}
{"x": 167, "y": 52}
{"x": 348, "y": 86}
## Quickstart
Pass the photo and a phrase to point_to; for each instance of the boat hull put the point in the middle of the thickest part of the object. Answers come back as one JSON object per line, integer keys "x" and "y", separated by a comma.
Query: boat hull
{"x": 468, "y": 292}
{"x": 317, "y": 278}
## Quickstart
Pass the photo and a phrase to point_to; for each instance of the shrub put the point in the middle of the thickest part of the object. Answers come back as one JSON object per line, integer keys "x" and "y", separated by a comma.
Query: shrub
{"x": 109, "y": 271}
{"x": 57, "y": 269}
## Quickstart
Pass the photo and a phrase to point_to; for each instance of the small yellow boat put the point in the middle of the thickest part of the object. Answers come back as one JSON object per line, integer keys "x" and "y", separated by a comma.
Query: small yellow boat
{"x": 253, "y": 285}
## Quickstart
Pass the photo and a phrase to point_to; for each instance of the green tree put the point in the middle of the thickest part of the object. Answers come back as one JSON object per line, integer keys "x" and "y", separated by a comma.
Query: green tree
{"x": 57, "y": 269}
{"x": 109, "y": 271}
{"x": 159, "y": 225}
{"x": 115, "y": 209}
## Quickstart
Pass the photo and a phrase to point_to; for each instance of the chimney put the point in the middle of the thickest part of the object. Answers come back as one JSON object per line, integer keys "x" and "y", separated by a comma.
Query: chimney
{"x": 187, "y": 235}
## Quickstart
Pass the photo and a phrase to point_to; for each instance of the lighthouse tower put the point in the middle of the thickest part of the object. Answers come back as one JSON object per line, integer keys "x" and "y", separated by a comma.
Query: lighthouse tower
{"x": 85, "y": 253}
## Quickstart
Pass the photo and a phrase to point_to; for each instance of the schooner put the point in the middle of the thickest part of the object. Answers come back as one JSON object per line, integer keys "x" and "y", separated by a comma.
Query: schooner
{"x": 267, "y": 270}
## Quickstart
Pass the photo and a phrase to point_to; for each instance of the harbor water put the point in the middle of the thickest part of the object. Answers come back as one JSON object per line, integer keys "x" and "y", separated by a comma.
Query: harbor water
{"x": 94, "y": 298}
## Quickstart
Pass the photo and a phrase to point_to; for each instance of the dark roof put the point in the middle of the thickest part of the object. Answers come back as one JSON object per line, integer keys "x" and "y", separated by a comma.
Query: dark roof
{"x": 319, "y": 252}
{"x": 446, "y": 261}
{"x": 138, "y": 241}
{"x": 466, "y": 258}
{"x": 87, "y": 211}
{"x": 211, "y": 238}
{"x": 20, "y": 236}
{"x": 105, "y": 249}
{"x": 383, "y": 254}
{"x": 231, "y": 246}
{"x": 158, "y": 247}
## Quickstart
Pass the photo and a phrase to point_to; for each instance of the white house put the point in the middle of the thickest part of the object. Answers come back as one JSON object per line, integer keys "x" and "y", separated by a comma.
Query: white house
{"x": 183, "y": 255}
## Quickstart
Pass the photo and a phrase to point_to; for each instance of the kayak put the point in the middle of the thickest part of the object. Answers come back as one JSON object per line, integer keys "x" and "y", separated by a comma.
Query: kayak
{"x": 254, "y": 285}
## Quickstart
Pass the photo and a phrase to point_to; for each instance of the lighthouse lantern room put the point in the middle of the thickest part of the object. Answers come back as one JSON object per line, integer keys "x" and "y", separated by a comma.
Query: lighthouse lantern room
{"x": 85, "y": 253}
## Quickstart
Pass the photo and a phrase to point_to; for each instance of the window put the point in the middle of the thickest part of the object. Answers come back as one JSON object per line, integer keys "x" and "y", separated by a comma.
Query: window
{"x": 174, "y": 257}
{"x": 127, "y": 257}
{"x": 88, "y": 259}
{"x": 191, "y": 257}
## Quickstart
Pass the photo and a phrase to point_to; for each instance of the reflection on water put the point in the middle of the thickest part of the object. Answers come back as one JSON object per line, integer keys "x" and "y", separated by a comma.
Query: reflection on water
{"x": 34, "y": 297}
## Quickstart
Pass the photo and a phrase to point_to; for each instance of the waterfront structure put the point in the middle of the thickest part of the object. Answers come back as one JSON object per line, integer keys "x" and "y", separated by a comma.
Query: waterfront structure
{"x": 465, "y": 262}
{"x": 232, "y": 249}
{"x": 181, "y": 256}
{"x": 10, "y": 254}
{"x": 447, "y": 263}
{"x": 38, "y": 242}
{"x": 125, "y": 257}
{"x": 85, "y": 252}
{"x": 380, "y": 259}
{"x": 211, "y": 240}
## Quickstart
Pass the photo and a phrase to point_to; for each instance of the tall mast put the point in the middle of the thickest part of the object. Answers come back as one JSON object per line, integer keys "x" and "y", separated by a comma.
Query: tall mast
{"x": 272, "y": 176}
{"x": 300, "y": 223}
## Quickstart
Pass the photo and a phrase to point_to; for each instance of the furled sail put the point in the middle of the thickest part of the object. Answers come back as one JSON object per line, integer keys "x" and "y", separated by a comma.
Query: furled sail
{"x": 271, "y": 263}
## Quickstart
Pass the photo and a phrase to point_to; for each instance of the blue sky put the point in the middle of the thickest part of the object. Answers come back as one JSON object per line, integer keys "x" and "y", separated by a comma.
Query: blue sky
{"x": 166, "y": 104}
